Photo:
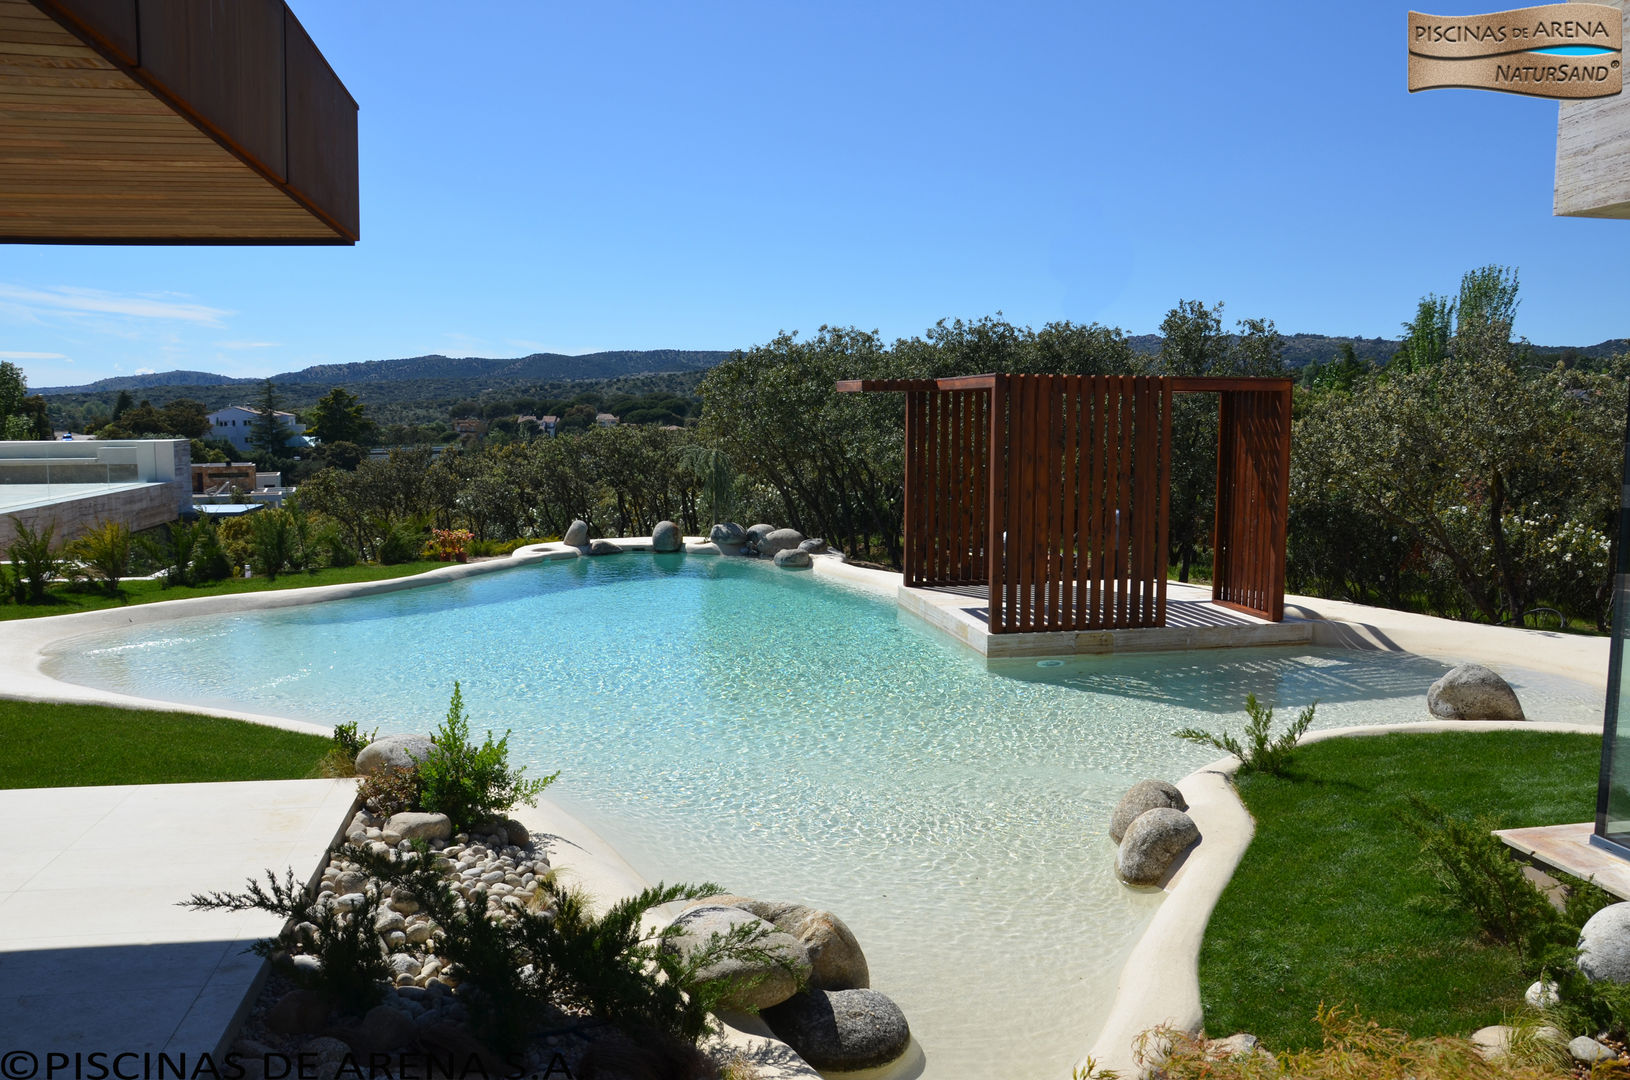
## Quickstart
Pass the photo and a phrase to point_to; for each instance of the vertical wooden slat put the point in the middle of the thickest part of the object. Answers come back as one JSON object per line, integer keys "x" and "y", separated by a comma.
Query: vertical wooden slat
{"x": 1032, "y": 485}
{"x": 996, "y": 507}
{"x": 1164, "y": 489}
{"x": 1053, "y": 389}
{"x": 1102, "y": 472}
{"x": 1068, "y": 497}
{"x": 913, "y": 526}
{"x": 1122, "y": 497}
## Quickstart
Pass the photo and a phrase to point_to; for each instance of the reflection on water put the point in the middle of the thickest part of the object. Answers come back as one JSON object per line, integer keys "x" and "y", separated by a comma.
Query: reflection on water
{"x": 725, "y": 720}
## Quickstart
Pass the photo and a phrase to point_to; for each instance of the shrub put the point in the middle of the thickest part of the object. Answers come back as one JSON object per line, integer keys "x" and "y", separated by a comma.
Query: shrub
{"x": 1475, "y": 870}
{"x": 336, "y": 550}
{"x": 449, "y": 545}
{"x": 389, "y": 791}
{"x": 35, "y": 561}
{"x": 275, "y": 541}
{"x": 341, "y": 758}
{"x": 209, "y": 561}
{"x": 351, "y": 952}
{"x": 1262, "y": 754}
{"x": 104, "y": 553}
{"x": 400, "y": 544}
{"x": 469, "y": 783}
{"x": 237, "y": 539}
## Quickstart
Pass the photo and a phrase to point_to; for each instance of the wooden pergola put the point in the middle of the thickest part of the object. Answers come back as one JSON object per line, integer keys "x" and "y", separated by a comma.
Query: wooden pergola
{"x": 1053, "y": 491}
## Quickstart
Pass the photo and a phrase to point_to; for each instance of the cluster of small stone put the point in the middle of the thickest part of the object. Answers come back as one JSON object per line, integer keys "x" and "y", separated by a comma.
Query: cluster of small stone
{"x": 1152, "y": 827}
{"x": 788, "y": 547}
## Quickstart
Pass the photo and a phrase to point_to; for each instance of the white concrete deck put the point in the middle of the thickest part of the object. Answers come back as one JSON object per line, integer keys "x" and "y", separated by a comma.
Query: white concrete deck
{"x": 95, "y": 954}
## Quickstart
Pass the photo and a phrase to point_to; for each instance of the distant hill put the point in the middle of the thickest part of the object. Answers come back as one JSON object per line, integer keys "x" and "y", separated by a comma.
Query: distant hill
{"x": 1304, "y": 349}
{"x": 538, "y": 367}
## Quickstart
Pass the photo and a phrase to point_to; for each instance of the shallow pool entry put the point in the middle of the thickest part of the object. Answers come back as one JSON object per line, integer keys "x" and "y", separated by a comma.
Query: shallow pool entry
{"x": 795, "y": 740}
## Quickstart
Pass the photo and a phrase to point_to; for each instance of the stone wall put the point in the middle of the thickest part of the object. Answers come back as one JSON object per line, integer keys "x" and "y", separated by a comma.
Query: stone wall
{"x": 139, "y": 508}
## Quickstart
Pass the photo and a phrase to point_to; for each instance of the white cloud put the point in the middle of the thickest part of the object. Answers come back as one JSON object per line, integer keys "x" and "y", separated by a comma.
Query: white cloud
{"x": 34, "y": 356}
{"x": 145, "y": 371}
{"x": 247, "y": 344}
{"x": 76, "y": 301}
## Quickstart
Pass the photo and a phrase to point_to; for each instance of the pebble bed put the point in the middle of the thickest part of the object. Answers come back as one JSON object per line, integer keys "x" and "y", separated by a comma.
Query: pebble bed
{"x": 422, "y": 1013}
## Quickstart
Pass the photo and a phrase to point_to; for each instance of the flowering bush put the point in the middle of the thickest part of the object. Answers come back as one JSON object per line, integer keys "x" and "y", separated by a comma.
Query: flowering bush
{"x": 449, "y": 545}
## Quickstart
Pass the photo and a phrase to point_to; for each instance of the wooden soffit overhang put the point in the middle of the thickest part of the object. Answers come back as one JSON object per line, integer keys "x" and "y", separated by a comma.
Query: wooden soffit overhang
{"x": 171, "y": 121}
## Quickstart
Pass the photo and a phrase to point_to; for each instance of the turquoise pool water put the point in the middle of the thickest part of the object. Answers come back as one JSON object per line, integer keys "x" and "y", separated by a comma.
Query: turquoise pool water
{"x": 792, "y": 739}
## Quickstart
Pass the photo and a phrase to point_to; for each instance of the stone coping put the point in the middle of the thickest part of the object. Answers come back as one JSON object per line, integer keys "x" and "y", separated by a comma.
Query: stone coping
{"x": 1160, "y": 981}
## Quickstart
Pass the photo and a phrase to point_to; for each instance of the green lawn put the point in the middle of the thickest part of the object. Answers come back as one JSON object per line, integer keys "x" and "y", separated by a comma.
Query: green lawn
{"x": 61, "y": 600}
{"x": 50, "y": 745}
{"x": 1320, "y": 909}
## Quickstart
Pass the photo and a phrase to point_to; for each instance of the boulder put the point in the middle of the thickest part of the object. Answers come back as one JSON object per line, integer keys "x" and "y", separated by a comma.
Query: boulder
{"x": 1152, "y": 842}
{"x": 385, "y": 1028}
{"x": 814, "y": 545}
{"x": 1541, "y": 994}
{"x": 393, "y": 752}
{"x": 1473, "y": 692}
{"x": 603, "y": 547}
{"x": 410, "y": 825}
{"x": 1141, "y": 797}
{"x": 793, "y": 559}
{"x": 779, "y": 540}
{"x": 665, "y": 537}
{"x": 1588, "y": 1051}
{"x": 727, "y": 535}
{"x": 1240, "y": 1045}
{"x": 757, "y": 533}
{"x": 841, "y": 1030}
{"x": 757, "y": 985}
{"x": 1604, "y": 945}
{"x": 577, "y": 534}
{"x": 836, "y": 962}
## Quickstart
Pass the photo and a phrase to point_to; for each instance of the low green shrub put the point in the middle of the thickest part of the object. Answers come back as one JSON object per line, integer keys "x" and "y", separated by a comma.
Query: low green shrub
{"x": 1259, "y": 753}
{"x": 470, "y": 783}
{"x": 103, "y": 553}
{"x": 341, "y": 759}
{"x": 36, "y": 561}
{"x": 401, "y": 543}
{"x": 274, "y": 540}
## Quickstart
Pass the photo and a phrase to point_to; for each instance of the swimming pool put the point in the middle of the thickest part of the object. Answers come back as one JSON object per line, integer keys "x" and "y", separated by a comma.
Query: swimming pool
{"x": 793, "y": 739}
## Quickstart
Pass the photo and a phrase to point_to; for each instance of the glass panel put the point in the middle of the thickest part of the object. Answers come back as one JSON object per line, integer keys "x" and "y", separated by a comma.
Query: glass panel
{"x": 1613, "y": 790}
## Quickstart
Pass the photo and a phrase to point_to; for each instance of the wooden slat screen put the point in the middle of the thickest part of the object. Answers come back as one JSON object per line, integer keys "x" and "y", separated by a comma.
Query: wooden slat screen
{"x": 1253, "y": 482}
{"x": 1081, "y": 476}
{"x": 947, "y": 437}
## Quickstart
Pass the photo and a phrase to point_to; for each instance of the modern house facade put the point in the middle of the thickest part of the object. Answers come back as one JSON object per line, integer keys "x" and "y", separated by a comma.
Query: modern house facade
{"x": 236, "y": 423}
{"x": 71, "y": 487}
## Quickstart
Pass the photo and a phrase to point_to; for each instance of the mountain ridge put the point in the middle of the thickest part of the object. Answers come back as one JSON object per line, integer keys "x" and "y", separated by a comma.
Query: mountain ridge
{"x": 1300, "y": 349}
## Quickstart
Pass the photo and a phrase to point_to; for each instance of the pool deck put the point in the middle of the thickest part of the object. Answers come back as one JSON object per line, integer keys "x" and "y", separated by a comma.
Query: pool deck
{"x": 95, "y": 954}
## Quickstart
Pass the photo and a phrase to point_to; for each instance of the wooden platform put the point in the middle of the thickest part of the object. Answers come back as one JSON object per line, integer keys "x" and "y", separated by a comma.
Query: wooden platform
{"x": 1568, "y": 848}
{"x": 1192, "y": 622}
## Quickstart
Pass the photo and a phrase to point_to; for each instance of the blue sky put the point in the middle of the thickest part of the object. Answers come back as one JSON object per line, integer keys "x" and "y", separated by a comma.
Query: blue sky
{"x": 575, "y": 177}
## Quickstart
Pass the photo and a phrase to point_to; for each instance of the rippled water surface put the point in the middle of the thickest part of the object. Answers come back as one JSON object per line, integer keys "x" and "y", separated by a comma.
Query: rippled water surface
{"x": 792, "y": 739}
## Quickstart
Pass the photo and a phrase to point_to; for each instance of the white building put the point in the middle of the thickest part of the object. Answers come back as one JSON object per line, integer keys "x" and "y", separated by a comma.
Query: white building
{"x": 236, "y": 423}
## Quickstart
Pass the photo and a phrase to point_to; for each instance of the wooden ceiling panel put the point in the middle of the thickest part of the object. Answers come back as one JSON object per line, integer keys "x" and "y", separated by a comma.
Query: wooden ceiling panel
{"x": 89, "y": 153}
